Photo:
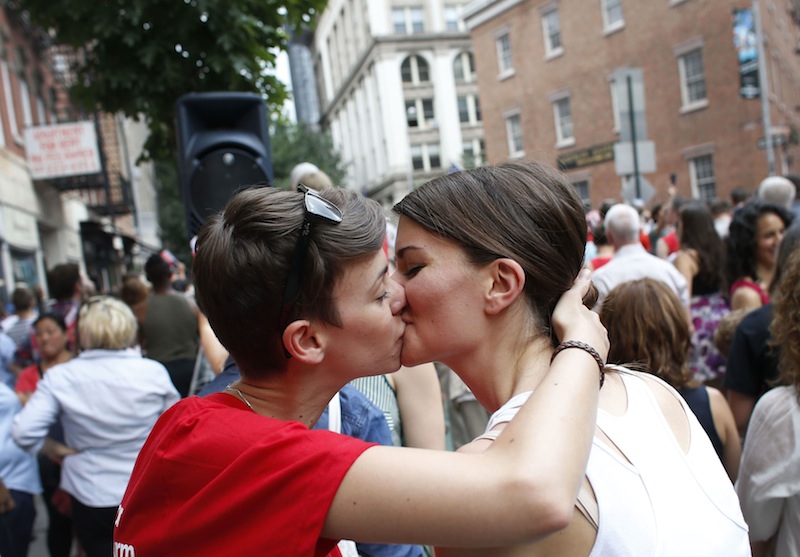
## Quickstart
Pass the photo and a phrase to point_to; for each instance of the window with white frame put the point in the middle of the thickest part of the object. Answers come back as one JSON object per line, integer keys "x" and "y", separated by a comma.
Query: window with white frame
{"x": 701, "y": 176}
{"x": 472, "y": 153}
{"x": 464, "y": 68}
{"x": 419, "y": 113}
{"x": 516, "y": 146}
{"x": 692, "y": 78}
{"x": 408, "y": 20}
{"x": 504, "y": 63}
{"x": 612, "y": 15}
{"x": 425, "y": 156}
{"x": 551, "y": 27}
{"x": 562, "y": 115}
{"x": 452, "y": 17}
{"x": 414, "y": 71}
{"x": 469, "y": 109}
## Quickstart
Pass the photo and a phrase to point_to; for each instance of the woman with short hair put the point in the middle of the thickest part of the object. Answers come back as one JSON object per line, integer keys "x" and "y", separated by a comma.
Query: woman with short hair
{"x": 107, "y": 400}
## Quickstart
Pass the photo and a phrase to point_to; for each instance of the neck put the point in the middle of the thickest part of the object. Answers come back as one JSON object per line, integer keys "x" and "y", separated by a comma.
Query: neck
{"x": 764, "y": 275}
{"x": 287, "y": 395}
{"x": 59, "y": 359}
{"x": 506, "y": 364}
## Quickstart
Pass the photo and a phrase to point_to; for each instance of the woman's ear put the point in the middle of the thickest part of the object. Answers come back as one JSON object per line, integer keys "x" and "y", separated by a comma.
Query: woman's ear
{"x": 507, "y": 283}
{"x": 302, "y": 340}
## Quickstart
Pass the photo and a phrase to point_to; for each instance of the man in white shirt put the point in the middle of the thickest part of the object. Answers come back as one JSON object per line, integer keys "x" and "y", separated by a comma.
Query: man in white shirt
{"x": 631, "y": 261}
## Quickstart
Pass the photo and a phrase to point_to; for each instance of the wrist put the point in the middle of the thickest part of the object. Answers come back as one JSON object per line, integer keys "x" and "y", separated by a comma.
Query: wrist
{"x": 588, "y": 349}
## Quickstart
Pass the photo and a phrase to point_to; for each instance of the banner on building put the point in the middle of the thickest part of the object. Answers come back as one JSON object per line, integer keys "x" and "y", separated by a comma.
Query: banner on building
{"x": 62, "y": 150}
{"x": 745, "y": 41}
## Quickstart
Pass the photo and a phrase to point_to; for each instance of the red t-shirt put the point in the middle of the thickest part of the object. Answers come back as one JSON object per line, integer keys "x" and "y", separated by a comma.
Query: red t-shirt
{"x": 215, "y": 479}
{"x": 27, "y": 380}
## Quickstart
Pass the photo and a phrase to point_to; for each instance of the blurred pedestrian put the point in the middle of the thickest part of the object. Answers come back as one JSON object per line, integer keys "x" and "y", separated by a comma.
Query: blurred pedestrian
{"x": 169, "y": 326}
{"x": 107, "y": 400}
{"x": 752, "y": 248}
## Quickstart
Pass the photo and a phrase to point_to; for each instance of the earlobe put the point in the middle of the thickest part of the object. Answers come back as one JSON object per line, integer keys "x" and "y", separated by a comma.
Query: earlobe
{"x": 304, "y": 342}
{"x": 507, "y": 283}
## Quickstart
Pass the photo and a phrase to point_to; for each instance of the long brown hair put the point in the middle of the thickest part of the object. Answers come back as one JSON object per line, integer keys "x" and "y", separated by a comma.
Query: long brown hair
{"x": 647, "y": 324}
{"x": 521, "y": 210}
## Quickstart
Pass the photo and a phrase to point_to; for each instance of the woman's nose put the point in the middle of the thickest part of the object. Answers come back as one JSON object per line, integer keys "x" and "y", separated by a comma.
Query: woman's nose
{"x": 398, "y": 297}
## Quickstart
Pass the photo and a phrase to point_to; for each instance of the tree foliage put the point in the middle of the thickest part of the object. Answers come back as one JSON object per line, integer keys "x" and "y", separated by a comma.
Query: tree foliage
{"x": 138, "y": 56}
{"x": 295, "y": 143}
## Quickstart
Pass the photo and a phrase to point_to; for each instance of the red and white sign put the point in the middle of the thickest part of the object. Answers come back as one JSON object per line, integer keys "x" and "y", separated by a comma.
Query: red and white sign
{"x": 62, "y": 150}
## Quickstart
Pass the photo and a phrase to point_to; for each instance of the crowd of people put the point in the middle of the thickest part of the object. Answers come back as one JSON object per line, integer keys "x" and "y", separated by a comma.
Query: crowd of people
{"x": 287, "y": 402}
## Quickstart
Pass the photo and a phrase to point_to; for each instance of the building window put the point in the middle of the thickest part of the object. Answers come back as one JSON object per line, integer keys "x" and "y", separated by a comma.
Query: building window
{"x": 414, "y": 71}
{"x": 582, "y": 189}
{"x": 464, "y": 68}
{"x": 551, "y": 27}
{"x": 469, "y": 109}
{"x": 419, "y": 113}
{"x": 562, "y": 114}
{"x": 472, "y": 154}
{"x": 408, "y": 20}
{"x": 612, "y": 15}
{"x": 514, "y": 135}
{"x": 425, "y": 157}
{"x": 701, "y": 174}
{"x": 452, "y": 17}
{"x": 693, "y": 79}
{"x": 504, "y": 64}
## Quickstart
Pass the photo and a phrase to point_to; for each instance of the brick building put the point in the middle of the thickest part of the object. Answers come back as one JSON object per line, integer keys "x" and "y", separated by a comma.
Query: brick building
{"x": 553, "y": 86}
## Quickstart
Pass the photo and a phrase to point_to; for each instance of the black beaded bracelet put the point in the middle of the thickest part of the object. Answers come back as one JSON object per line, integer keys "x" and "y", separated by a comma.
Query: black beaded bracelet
{"x": 587, "y": 348}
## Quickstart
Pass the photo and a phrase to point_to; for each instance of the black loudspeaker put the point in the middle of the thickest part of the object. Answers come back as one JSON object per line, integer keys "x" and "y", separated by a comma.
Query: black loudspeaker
{"x": 223, "y": 145}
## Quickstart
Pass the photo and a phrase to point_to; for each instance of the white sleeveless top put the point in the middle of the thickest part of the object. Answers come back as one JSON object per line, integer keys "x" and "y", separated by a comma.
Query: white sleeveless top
{"x": 661, "y": 502}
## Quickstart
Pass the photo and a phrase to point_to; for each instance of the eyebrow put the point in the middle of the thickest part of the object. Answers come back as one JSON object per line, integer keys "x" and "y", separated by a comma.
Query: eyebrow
{"x": 401, "y": 252}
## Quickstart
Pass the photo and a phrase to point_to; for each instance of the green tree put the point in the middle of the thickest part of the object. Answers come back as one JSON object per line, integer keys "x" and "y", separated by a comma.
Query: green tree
{"x": 295, "y": 143}
{"x": 138, "y": 56}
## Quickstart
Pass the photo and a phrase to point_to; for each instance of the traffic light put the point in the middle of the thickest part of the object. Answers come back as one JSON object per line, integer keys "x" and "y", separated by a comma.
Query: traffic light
{"x": 223, "y": 145}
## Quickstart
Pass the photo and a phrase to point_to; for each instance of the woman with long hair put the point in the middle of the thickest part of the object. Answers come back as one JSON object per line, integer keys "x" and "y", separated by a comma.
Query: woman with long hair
{"x": 769, "y": 483}
{"x": 646, "y": 324}
{"x": 752, "y": 248}
{"x": 483, "y": 256}
{"x": 701, "y": 259}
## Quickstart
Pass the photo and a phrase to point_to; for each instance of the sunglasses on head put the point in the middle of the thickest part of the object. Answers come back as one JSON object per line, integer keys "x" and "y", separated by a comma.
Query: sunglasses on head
{"x": 317, "y": 209}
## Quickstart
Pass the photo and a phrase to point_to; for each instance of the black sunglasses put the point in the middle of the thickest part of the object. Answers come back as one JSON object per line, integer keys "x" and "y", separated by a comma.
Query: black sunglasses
{"x": 316, "y": 208}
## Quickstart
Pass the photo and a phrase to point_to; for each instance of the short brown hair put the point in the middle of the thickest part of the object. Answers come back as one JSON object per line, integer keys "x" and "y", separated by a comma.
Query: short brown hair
{"x": 242, "y": 261}
{"x": 647, "y": 324}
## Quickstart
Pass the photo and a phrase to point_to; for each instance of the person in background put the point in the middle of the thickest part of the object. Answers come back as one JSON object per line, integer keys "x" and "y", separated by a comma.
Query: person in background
{"x": 752, "y": 364}
{"x": 722, "y": 212}
{"x": 107, "y": 400}
{"x": 20, "y": 332}
{"x": 52, "y": 340}
{"x": 67, "y": 289}
{"x": 244, "y": 468}
{"x": 701, "y": 260}
{"x": 483, "y": 256}
{"x": 19, "y": 483}
{"x": 740, "y": 196}
{"x": 658, "y": 225}
{"x": 169, "y": 326}
{"x": 769, "y": 482}
{"x": 605, "y": 251}
{"x": 752, "y": 248}
{"x": 777, "y": 190}
{"x": 647, "y": 325}
{"x": 669, "y": 243}
{"x": 631, "y": 260}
